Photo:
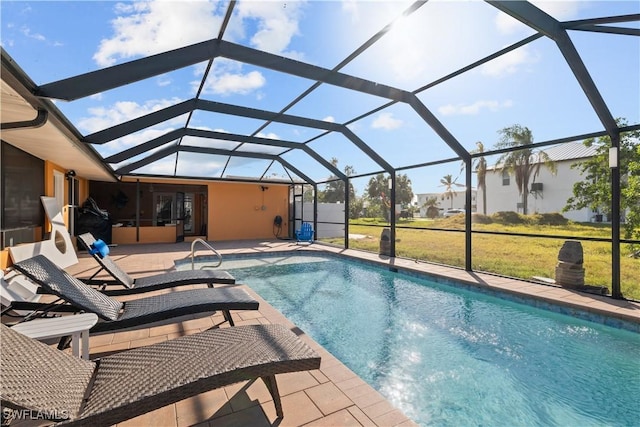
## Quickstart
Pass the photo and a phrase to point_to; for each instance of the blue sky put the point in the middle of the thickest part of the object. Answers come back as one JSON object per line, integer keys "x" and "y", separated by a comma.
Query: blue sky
{"x": 532, "y": 86}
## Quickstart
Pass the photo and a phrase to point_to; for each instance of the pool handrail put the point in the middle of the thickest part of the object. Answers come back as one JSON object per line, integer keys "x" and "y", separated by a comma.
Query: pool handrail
{"x": 207, "y": 245}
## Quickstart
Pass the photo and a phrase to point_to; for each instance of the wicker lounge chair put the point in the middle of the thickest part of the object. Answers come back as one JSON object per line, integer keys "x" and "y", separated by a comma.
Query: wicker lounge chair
{"x": 129, "y": 285}
{"x": 116, "y": 314}
{"x": 149, "y": 283}
{"x": 38, "y": 379}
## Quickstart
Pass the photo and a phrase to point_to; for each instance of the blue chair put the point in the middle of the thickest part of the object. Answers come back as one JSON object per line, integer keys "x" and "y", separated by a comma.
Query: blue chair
{"x": 305, "y": 234}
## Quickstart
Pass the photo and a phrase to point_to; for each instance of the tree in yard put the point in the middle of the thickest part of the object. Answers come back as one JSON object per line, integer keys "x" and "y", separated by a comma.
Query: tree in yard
{"x": 334, "y": 189}
{"x": 379, "y": 194}
{"x": 594, "y": 191}
{"x": 524, "y": 164}
{"x": 307, "y": 194}
{"x": 431, "y": 204}
{"x": 631, "y": 196}
{"x": 480, "y": 166}
{"x": 448, "y": 182}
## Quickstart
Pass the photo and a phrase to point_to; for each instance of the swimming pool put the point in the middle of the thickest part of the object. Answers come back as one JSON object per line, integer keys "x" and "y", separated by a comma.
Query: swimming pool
{"x": 450, "y": 357}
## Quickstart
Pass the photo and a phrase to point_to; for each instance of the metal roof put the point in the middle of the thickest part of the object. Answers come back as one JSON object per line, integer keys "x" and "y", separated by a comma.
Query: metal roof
{"x": 570, "y": 151}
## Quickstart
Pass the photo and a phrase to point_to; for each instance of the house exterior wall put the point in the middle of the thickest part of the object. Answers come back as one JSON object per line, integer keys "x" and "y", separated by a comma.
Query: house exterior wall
{"x": 555, "y": 192}
{"x": 444, "y": 203}
{"x": 234, "y": 211}
{"x": 238, "y": 211}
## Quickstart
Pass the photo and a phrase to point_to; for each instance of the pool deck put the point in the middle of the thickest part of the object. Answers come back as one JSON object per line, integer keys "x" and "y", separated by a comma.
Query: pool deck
{"x": 330, "y": 396}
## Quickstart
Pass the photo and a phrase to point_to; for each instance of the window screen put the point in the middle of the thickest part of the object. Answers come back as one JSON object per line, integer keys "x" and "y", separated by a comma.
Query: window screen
{"x": 22, "y": 185}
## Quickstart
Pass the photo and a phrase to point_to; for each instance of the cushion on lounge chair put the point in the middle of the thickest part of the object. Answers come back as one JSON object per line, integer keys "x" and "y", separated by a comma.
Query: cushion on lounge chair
{"x": 127, "y": 384}
{"x": 100, "y": 248}
{"x": 154, "y": 282}
{"x": 135, "y": 312}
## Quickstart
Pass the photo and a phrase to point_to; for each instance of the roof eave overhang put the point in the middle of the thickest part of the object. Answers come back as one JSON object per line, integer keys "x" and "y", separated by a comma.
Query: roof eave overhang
{"x": 36, "y": 126}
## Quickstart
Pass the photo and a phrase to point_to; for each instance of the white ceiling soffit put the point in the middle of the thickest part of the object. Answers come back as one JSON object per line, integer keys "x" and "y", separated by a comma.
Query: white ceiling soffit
{"x": 52, "y": 141}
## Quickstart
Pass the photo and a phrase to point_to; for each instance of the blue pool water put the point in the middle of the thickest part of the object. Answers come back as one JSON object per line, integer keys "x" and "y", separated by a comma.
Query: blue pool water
{"x": 450, "y": 357}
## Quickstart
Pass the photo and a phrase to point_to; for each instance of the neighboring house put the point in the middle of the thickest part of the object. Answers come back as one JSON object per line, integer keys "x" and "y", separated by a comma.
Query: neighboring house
{"x": 547, "y": 192}
{"x": 443, "y": 203}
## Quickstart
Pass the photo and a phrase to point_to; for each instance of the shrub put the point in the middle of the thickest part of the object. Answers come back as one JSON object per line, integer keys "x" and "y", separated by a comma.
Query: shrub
{"x": 548, "y": 219}
{"x": 478, "y": 218}
{"x": 508, "y": 217}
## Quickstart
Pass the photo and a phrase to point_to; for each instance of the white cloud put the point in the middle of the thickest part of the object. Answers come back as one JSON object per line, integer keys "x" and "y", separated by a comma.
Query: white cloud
{"x": 26, "y": 31}
{"x": 475, "y": 108}
{"x": 227, "y": 83}
{"x": 104, "y": 117}
{"x": 386, "y": 121}
{"x": 132, "y": 140}
{"x": 508, "y": 25}
{"x": 161, "y": 167}
{"x": 276, "y": 22}
{"x": 269, "y": 135}
{"x": 150, "y": 27}
{"x": 509, "y": 63}
{"x": 351, "y": 8}
{"x": 163, "y": 80}
{"x": 226, "y": 78}
{"x": 329, "y": 119}
{"x": 146, "y": 28}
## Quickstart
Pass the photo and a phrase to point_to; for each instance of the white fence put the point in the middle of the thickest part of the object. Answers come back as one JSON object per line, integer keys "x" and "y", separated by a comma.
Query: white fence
{"x": 327, "y": 212}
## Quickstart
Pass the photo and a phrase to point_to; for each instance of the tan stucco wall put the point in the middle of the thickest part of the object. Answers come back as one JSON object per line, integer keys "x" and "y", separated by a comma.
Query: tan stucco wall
{"x": 239, "y": 211}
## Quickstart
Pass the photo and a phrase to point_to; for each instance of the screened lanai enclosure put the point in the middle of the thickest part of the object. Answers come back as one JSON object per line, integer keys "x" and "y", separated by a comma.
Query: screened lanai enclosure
{"x": 382, "y": 117}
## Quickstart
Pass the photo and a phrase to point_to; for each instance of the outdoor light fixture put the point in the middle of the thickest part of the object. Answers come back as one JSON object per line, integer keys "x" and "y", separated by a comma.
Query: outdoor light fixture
{"x": 390, "y": 184}
{"x": 613, "y": 157}
{"x": 70, "y": 174}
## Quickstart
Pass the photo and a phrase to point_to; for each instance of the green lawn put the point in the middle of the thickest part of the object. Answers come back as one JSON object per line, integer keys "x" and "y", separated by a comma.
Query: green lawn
{"x": 514, "y": 256}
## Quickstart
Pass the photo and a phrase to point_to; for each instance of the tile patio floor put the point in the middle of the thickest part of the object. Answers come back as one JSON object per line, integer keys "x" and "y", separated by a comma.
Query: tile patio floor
{"x": 330, "y": 396}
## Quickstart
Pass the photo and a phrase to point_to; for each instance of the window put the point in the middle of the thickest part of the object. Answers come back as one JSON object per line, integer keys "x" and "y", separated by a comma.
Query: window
{"x": 163, "y": 212}
{"x": 506, "y": 179}
{"x": 188, "y": 213}
{"x": 22, "y": 185}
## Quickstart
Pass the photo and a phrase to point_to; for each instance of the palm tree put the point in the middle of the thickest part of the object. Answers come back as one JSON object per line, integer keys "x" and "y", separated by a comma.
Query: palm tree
{"x": 525, "y": 163}
{"x": 448, "y": 182}
{"x": 480, "y": 166}
{"x": 431, "y": 205}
